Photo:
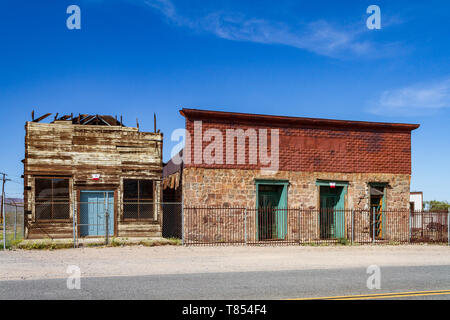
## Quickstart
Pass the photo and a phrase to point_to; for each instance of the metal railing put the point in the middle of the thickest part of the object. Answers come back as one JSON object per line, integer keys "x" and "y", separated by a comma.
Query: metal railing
{"x": 429, "y": 227}
{"x": 282, "y": 226}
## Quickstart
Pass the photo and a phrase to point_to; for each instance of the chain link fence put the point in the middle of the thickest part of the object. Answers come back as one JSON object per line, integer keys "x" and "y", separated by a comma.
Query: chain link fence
{"x": 172, "y": 220}
{"x": 12, "y": 225}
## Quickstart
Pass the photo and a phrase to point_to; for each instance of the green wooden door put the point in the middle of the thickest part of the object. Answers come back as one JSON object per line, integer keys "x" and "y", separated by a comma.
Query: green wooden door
{"x": 268, "y": 203}
{"x": 272, "y": 212}
{"x": 332, "y": 214}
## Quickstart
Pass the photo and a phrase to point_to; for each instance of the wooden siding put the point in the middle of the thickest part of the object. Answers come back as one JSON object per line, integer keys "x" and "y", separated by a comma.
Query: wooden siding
{"x": 79, "y": 151}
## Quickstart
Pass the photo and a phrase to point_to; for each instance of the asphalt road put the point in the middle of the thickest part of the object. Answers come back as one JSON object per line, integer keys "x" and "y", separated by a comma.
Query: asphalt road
{"x": 239, "y": 285}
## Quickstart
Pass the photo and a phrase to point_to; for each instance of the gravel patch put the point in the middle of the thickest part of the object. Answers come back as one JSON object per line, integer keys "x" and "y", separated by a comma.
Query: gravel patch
{"x": 140, "y": 260}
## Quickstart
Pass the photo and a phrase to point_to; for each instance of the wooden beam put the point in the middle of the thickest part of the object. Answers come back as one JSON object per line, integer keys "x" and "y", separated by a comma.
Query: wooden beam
{"x": 43, "y": 117}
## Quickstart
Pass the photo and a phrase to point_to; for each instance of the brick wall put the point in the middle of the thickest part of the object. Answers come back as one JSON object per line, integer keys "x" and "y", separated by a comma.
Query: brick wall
{"x": 318, "y": 149}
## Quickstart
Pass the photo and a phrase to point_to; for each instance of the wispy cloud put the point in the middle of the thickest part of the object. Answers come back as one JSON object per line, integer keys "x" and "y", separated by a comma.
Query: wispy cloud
{"x": 319, "y": 37}
{"x": 414, "y": 99}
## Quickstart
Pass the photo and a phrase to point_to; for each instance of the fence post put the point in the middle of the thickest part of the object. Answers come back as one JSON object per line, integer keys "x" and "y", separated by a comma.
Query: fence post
{"x": 15, "y": 222}
{"x": 4, "y": 220}
{"x": 448, "y": 227}
{"x": 299, "y": 225}
{"x": 373, "y": 226}
{"x": 73, "y": 225}
{"x": 245, "y": 225}
{"x": 182, "y": 220}
{"x": 353, "y": 226}
{"x": 106, "y": 227}
{"x": 411, "y": 213}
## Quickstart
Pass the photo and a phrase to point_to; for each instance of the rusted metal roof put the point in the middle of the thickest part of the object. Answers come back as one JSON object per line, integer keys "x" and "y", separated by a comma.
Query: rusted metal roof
{"x": 234, "y": 117}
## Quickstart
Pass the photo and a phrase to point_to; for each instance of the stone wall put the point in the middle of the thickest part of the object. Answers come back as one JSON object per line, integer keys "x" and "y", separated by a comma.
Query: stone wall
{"x": 233, "y": 187}
{"x": 236, "y": 189}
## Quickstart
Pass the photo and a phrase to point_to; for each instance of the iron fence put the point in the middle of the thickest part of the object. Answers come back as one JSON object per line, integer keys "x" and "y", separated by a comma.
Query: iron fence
{"x": 275, "y": 226}
{"x": 429, "y": 227}
{"x": 12, "y": 227}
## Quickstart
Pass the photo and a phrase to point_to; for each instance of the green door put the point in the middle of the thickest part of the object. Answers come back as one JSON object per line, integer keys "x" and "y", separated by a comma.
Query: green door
{"x": 272, "y": 212}
{"x": 332, "y": 214}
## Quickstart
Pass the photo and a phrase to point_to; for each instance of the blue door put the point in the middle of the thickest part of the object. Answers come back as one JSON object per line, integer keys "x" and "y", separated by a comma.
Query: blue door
{"x": 93, "y": 206}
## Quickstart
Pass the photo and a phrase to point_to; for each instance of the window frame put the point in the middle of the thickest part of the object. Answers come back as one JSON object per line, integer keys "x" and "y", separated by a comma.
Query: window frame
{"x": 138, "y": 201}
{"x": 51, "y": 199}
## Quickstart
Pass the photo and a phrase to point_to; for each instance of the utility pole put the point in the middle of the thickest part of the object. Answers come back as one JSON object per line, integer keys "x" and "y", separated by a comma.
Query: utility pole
{"x": 3, "y": 208}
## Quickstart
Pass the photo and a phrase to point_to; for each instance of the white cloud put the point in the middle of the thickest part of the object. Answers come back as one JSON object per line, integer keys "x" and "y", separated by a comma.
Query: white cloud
{"x": 319, "y": 37}
{"x": 415, "y": 98}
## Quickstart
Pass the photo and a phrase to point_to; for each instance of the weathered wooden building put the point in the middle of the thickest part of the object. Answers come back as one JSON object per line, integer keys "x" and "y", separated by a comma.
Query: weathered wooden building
{"x": 86, "y": 166}
{"x": 314, "y": 164}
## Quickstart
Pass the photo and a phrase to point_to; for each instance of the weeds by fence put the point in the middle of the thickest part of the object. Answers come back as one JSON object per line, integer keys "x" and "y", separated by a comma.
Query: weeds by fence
{"x": 218, "y": 225}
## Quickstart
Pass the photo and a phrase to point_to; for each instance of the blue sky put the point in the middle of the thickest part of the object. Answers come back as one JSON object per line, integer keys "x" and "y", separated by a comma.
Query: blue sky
{"x": 299, "y": 58}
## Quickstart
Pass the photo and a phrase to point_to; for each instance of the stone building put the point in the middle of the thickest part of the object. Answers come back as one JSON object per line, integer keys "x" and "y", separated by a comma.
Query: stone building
{"x": 81, "y": 167}
{"x": 254, "y": 161}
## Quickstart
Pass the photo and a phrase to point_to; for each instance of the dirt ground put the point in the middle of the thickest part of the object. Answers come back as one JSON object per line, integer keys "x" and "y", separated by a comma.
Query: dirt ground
{"x": 139, "y": 260}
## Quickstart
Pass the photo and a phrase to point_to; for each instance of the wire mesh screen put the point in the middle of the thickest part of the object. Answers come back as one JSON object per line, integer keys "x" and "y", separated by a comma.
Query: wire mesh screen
{"x": 171, "y": 221}
{"x": 96, "y": 218}
{"x": 46, "y": 210}
{"x": 139, "y": 210}
{"x": 14, "y": 226}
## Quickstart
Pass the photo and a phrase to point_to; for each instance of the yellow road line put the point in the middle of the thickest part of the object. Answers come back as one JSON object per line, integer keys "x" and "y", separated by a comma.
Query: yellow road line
{"x": 381, "y": 295}
{"x": 398, "y": 296}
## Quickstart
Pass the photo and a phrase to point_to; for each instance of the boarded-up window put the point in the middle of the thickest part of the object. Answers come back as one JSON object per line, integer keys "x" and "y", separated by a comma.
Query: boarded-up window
{"x": 52, "y": 199}
{"x": 138, "y": 199}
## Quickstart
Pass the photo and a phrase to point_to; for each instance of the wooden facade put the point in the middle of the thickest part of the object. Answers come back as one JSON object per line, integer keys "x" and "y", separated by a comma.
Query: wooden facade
{"x": 90, "y": 157}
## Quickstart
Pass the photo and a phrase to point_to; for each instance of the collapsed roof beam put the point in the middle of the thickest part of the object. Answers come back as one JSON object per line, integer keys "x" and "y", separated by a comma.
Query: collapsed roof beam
{"x": 42, "y": 118}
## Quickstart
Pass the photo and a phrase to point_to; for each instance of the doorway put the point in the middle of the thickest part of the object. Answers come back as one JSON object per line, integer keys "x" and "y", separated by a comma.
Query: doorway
{"x": 377, "y": 207}
{"x": 332, "y": 214}
{"x": 272, "y": 211}
{"x": 93, "y": 207}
